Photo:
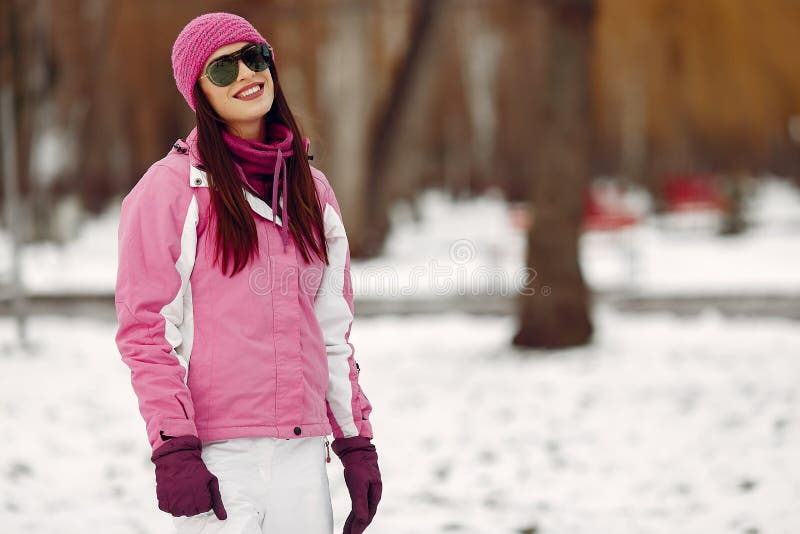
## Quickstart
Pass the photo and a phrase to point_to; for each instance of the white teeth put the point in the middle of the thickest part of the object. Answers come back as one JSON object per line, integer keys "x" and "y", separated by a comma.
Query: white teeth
{"x": 250, "y": 91}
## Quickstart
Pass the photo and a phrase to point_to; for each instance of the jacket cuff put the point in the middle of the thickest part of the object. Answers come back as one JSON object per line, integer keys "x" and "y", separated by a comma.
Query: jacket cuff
{"x": 161, "y": 430}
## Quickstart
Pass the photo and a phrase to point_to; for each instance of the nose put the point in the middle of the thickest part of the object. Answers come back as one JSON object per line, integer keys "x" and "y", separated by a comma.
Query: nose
{"x": 244, "y": 71}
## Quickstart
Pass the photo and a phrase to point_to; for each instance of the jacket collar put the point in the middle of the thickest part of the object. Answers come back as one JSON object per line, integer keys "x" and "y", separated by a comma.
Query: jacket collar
{"x": 199, "y": 178}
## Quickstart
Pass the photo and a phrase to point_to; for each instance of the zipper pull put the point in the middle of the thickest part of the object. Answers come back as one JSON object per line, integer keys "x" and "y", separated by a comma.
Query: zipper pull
{"x": 328, "y": 459}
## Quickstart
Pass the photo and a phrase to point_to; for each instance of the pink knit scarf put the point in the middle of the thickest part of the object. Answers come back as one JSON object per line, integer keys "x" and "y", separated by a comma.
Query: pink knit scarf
{"x": 259, "y": 162}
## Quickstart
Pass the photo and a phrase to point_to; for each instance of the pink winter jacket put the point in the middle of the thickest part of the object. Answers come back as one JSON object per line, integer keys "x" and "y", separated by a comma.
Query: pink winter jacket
{"x": 263, "y": 353}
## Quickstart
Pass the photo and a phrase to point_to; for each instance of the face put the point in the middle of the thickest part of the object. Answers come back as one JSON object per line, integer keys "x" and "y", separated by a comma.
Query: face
{"x": 243, "y": 115}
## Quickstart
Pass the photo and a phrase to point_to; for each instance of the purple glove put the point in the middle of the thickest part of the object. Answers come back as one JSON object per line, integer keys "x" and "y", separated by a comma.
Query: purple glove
{"x": 363, "y": 479}
{"x": 184, "y": 486}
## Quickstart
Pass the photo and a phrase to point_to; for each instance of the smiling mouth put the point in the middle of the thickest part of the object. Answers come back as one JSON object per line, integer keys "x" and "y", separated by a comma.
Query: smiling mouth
{"x": 250, "y": 93}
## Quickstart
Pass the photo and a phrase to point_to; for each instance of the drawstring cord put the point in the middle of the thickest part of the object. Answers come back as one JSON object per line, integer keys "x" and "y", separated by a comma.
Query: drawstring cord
{"x": 280, "y": 168}
{"x": 279, "y": 174}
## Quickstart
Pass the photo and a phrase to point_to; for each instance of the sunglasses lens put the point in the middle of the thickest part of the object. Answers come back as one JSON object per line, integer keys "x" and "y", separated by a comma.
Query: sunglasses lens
{"x": 223, "y": 72}
{"x": 256, "y": 58}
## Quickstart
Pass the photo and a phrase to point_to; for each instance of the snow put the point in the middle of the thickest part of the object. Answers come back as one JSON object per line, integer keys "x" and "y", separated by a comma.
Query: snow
{"x": 85, "y": 265}
{"x": 443, "y": 247}
{"x": 761, "y": 261}
{"x": 454, "y": 247}
{"x": 661, "y": 425}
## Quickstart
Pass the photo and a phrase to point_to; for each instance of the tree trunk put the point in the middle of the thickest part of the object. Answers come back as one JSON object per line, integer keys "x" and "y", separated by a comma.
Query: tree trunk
{"x": 554, "y": 309}
{"x": 402, "y": 116}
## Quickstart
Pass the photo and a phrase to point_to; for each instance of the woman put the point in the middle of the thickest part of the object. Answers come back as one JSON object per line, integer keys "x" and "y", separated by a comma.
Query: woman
{"x": 235, "y": 307}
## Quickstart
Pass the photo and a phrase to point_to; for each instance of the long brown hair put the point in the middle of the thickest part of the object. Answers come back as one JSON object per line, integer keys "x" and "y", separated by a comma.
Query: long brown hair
{"x": 236, "y": 236}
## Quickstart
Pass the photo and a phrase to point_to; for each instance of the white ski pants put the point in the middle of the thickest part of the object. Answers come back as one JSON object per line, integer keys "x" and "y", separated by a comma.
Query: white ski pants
{"x": 268, "y": 486}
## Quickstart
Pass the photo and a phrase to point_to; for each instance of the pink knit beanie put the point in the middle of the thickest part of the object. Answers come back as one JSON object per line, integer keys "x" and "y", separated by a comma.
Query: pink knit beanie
{"x": 199, "y": 39}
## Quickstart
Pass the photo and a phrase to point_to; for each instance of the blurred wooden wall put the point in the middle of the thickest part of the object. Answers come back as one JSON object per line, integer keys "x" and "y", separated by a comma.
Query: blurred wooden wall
{"x": 708, "y": 84}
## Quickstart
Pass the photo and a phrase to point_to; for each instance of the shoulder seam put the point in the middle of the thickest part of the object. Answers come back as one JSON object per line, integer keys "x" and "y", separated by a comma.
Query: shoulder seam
{"x": 327, "y": 188}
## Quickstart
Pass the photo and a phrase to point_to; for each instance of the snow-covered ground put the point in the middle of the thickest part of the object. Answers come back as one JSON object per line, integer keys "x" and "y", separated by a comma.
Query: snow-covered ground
{"x": 451, "y": 247}
{"x": 443, "y": 247}
{"x": 661, "y": 425}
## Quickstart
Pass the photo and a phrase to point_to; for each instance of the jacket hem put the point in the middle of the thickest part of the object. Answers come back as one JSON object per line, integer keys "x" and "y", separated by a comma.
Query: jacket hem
{"x": 269, "y": 431}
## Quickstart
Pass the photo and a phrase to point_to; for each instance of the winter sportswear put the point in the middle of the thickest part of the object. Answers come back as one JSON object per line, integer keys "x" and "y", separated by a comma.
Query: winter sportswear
{"x": 184, "y": 486}
{"x": 199, "y": 39}
{"x": 257, "y": 159}
{"x": 269, "y": 485}
{"x": 253, "y": 158}
{"x": 265, "y": 352}
{"x": 363, "y": 479}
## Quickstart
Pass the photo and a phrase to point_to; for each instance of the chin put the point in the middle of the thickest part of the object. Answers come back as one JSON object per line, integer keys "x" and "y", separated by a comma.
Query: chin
{"x": 256, "y": 112}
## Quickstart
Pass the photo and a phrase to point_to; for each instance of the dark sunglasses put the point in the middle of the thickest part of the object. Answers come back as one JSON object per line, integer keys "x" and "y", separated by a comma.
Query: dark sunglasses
{"x": 225, "y": 69}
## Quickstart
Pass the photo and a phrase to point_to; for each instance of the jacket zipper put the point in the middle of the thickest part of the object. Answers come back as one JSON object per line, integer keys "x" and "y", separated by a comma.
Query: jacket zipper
{"x": 328, "y": 458}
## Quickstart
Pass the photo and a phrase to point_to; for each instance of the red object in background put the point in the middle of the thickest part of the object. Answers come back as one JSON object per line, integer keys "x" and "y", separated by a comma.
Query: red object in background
{"x": 604, "y": 209}
{"x": 599, "y": 214}
{"x": 692, "y": 192}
